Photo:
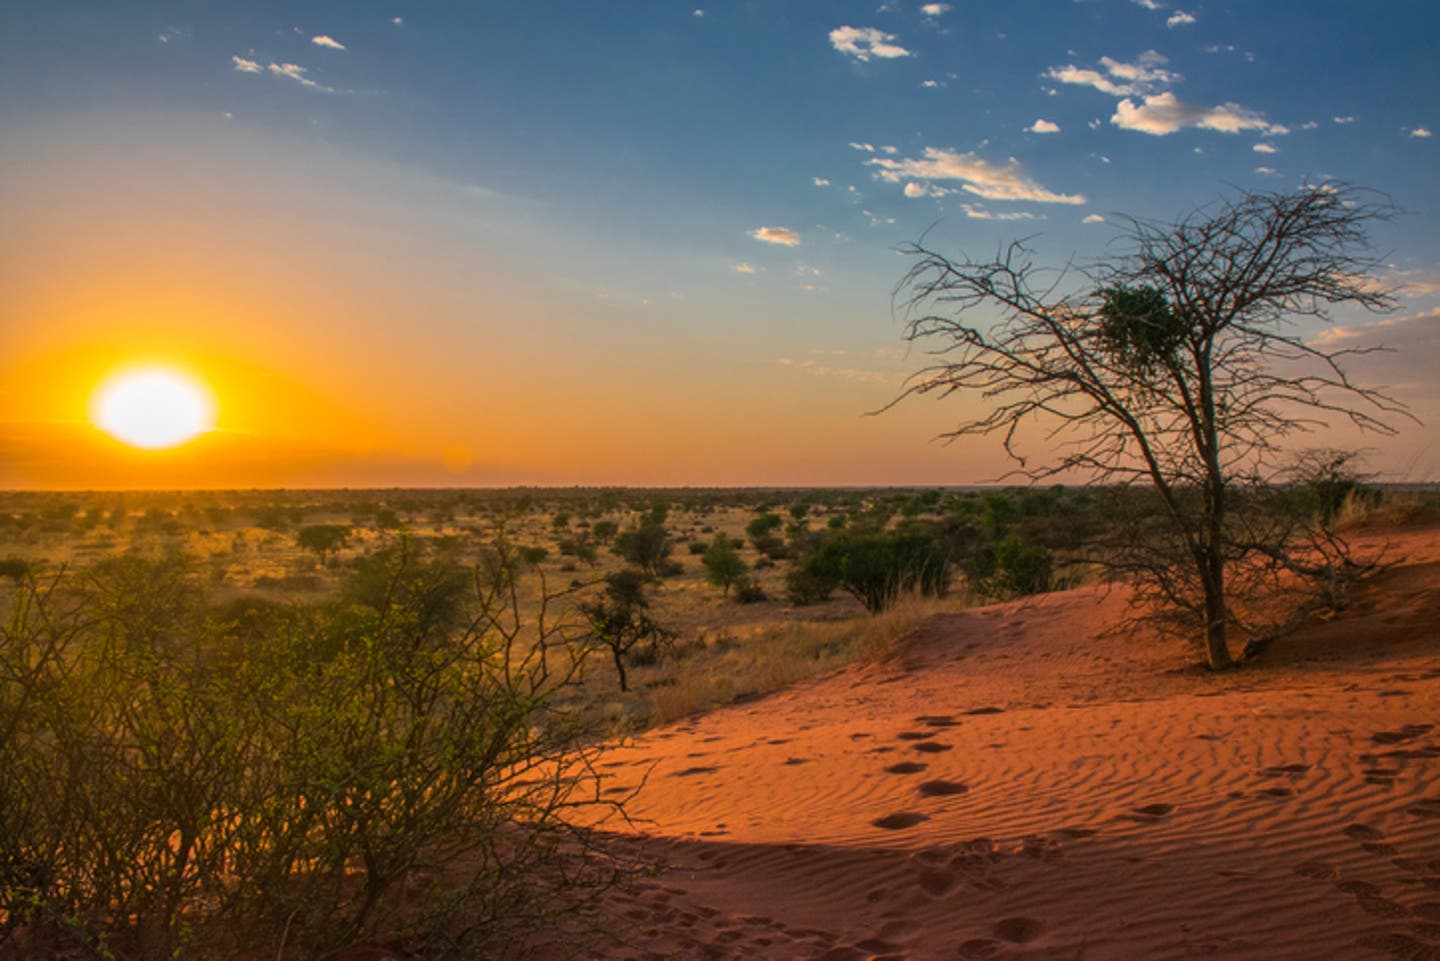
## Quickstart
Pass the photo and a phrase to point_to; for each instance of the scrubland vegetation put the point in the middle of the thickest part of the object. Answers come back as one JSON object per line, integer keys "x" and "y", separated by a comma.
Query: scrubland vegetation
{"x": 282, "y": 724}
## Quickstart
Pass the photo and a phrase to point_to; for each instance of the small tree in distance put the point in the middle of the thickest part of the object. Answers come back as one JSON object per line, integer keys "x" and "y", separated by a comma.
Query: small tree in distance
{"x": 1176, "y": 363}
{"x": 323, "y": 539}
{"x": 724, "y": 567}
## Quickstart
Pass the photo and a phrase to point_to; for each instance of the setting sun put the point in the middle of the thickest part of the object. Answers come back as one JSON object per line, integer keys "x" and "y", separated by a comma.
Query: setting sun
{"x": 152, "y": 407}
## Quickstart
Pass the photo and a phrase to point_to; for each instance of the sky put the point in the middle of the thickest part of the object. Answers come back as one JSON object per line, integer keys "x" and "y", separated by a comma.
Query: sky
{"x": 645, "y": 243}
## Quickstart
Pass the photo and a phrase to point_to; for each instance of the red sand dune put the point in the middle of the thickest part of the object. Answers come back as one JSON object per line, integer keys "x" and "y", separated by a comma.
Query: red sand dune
{"x": 1010, "y": 783}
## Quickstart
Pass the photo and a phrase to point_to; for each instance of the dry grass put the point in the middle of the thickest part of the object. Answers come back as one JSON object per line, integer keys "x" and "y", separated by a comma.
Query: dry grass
{"x": 760, "y": 658}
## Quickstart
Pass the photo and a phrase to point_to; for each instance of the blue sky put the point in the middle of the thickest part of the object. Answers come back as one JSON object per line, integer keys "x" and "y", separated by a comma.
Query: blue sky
{"x": 669, "y": 208}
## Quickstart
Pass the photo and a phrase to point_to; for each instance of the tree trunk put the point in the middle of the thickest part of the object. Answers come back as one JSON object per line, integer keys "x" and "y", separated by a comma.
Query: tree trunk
{"x": 620, "y": 667}
{"x": 1217, "y": 652}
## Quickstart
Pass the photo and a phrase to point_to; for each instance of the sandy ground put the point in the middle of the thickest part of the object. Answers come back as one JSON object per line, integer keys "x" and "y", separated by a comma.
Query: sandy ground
{"x": 1012, "y": 782}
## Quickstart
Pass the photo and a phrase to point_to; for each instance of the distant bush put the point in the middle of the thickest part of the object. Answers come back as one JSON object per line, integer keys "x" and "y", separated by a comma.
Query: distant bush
{"x": 647, "y": 546}
{"x": 877, "y": 567}
{"x": 723, "y": 565}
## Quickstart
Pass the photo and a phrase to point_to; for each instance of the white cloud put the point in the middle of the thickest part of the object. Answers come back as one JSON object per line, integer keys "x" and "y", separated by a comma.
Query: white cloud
{"x": 323, "y": 40}
{"x": 1421, "y": 132}
{"x": 1309, "y": 125}
{"x": 1343, "y": 119}
{"x": 890, "y": 150}
{"x": 698, "y": 12}
{"x": 745, "y": 268}
{"x": 1044, "y": 126}
{"x": 1164, "y": 113}
{"x": 980, "y": 213}
{"x": 297, "y": 73}
{"x": 1146, "y": 74}
{"x": 935, "y": 9}
{"x": 1093, "y": 219}
{"x": 245, "y": 66}
{"x": 1267, "y": 171}
{"x": 914, "y": 190}
{"x": 862, "y": 43}
{"x": 398, "y": 21}
{"x": 1179, "y": 19}
{"x": 820, "y": 181}
{"x": 1264, "y": 148}
{"x": 976, "y": 176}
{"x": 776, "y": 235}
{"x": 1149, "y": 4}
{"x": 865, "y": 147}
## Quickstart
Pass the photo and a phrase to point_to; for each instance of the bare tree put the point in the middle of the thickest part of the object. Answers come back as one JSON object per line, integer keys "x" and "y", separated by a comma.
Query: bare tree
{"x": 1180, "y": 362}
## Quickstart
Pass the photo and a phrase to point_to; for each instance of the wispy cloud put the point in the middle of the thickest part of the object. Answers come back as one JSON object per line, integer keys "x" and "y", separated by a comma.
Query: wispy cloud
{"x": 1164, "y": 113}
{"x": 1179, "y": 19}
{"x": 1119, "y": 78}
{"x": 323, "y": 40}
{"x": 245, "y": 66}
{"x": 1265, "y": 148}
{"x": 1093, "y": 219}
{"x": 863, "y": 43}
{"x": 816, "y": 368}
{"x": 745, "y": 268}
{"x": 1149, "y": 4}
{"x": 980, "y": 213}
{"x": 1042, "y": 125}
{"x": 820, "y": 181}
{"x": 296, "y": 72}
{"x": 776, "y": 235}
{"x": 1403, "y": 352}
{"x": 935, "y": 9}
{"x": 976, "y": 176}
{"x": 1343, "y": 120}
{"x": 1421, "y": 132}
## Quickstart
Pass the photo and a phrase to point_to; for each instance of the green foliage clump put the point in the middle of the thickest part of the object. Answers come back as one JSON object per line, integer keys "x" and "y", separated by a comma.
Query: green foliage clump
{"x": 646, "y": 546}
{"x": 185, "y": 780}
{"x": 724, "y": 567}
{"x": 876, "y": 568}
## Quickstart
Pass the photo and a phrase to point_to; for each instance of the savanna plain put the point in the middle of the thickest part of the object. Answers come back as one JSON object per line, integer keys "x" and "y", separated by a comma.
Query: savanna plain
{"x": 723, "y": 724}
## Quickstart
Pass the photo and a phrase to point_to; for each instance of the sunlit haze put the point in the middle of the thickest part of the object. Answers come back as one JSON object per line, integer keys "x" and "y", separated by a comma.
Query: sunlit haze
{"x": 646, "y": 243}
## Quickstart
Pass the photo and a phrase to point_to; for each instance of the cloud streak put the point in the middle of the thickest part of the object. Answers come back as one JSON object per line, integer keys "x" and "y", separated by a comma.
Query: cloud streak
{"x": 783, "y": 236}
{"x": 975, "y": 176}
{"x": 1164, "y": 113}
{"x": 323, "y": 40}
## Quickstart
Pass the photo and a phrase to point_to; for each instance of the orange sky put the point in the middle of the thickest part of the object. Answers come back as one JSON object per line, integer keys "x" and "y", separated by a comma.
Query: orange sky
{"x": 365, "y": 323}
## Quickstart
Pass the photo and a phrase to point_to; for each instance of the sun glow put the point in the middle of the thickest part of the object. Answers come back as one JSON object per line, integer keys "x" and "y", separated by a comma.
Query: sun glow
{"x": 152, "y": 407}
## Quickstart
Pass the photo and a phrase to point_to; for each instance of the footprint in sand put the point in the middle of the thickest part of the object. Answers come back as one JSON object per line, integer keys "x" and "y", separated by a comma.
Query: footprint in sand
{"x": 794, "y": 761}
{"x": 900, "y": 820}
{"x": 692, "y": 771}
{"x": 1382, "y": 907}
{"x": 977, "y": 949}
{"x": 1319, "y": 870}
{"x": 1019, "y": 930}
{"x": 1078, "y": 832}
{"x": 1285, "y": 769}
{"x": 914, "y": 735}
{"x": 936, "y": 882}
{"x": 1425, "y": 808}
{"x": 986, "y": 710}
{"x": 906, "y": 767}
{"x": 932, "y": 747}
{"x": 942, "y": 788}
{"x": 1379, "y": 849}
{"x": 937, "y": 720}
{"x": 1363, "y": 889}
{"x": 1277, "y": 792}
{"x": 1150, "y": 812}
{"x": 1362, "y": 832}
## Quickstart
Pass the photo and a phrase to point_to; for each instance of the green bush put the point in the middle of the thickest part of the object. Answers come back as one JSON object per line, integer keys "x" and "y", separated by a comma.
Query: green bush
{"x": 182, "y": 780}
{"x": 877, "y": 567}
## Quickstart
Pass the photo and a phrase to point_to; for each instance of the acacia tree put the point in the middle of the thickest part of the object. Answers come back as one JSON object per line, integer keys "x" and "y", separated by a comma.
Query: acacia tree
{"x": 1181, "y": 361}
